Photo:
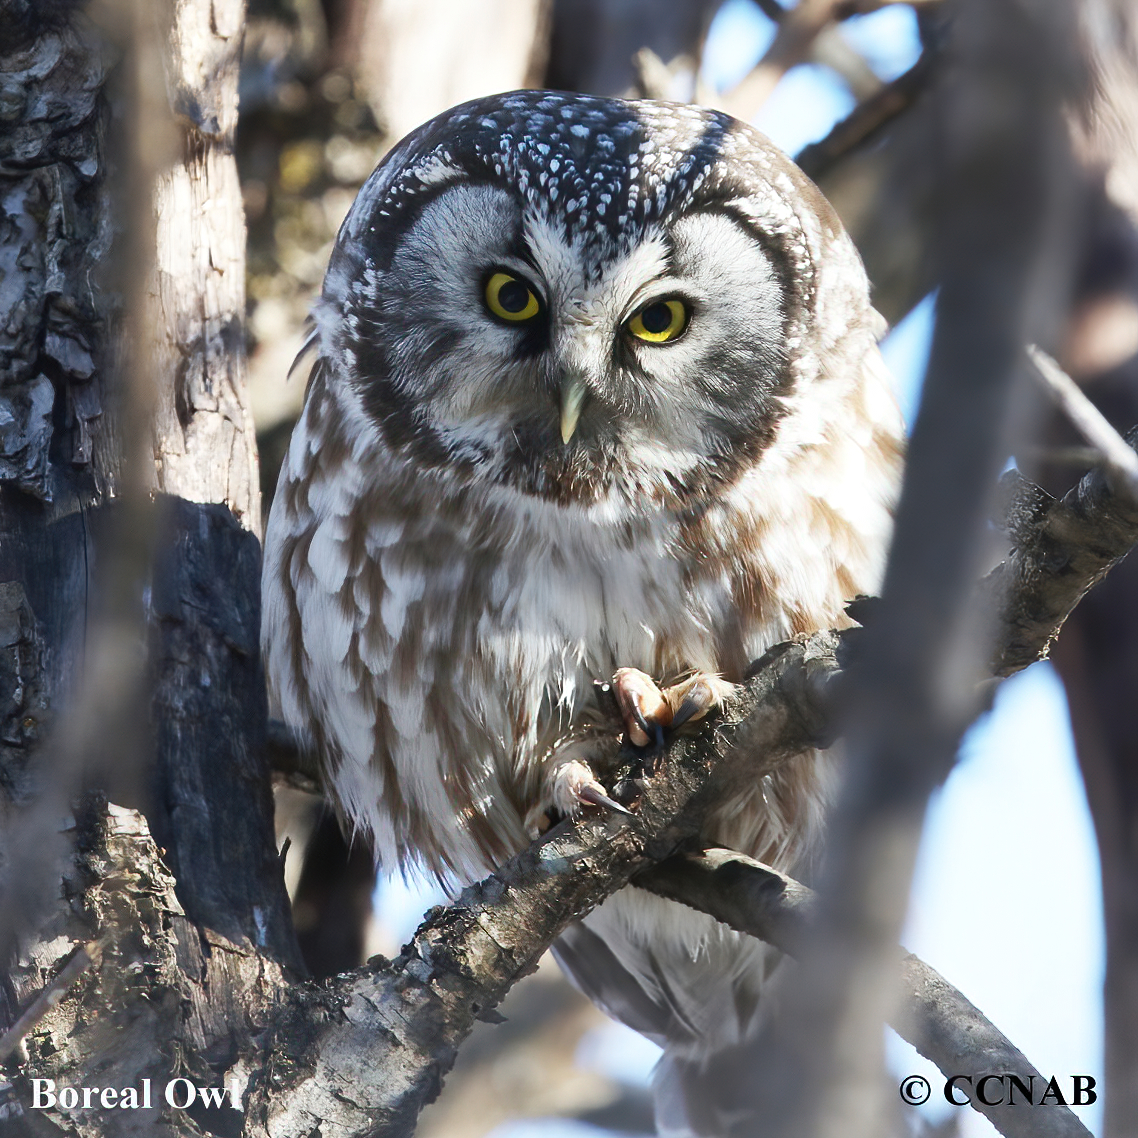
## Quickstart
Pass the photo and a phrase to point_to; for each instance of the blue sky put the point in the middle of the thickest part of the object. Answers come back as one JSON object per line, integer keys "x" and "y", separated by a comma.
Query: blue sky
{"x": 1006, "y": 899}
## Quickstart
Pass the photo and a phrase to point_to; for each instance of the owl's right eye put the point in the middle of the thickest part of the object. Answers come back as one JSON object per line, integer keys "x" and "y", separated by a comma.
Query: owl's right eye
{"x": 510, "y": 298}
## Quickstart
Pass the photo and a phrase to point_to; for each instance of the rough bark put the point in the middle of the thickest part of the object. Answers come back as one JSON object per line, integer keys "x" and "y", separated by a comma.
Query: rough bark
{"x": 205, "y": 444}
{"x": 211, "y": 805}
{"x": 57, "y": 233}
{"x": 169, "y": 992}
{"x": 167, "y": 998}
{"x": 57, "y": 227}
{"x": 1075, "y": 540}
{"x": 372, "y": 1068}
{"x": 200, "y": 941}
{"x": 58, "y": 429}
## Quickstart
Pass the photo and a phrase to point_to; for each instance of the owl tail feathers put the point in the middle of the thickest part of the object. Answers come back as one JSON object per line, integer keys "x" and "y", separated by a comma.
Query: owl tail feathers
{"x": 703, "y": 1013}
{"x": 709, "y": 1097}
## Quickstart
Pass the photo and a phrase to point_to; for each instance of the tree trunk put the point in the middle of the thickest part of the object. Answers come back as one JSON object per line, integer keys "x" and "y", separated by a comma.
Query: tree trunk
{"x": 190, "y": 940}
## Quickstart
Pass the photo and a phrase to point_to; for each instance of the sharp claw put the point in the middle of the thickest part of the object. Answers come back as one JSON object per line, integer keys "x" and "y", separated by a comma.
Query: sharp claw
{"x": 688, "y": 707}
{"x": 597, "y": 797}
{"x": 696, "y": 701}
{"x": 641, "y": 721}
{"x": 642, "y": 705}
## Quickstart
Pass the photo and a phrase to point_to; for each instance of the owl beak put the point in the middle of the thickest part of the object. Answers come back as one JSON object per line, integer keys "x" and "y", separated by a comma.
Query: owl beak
{"x": 573, "y": 393}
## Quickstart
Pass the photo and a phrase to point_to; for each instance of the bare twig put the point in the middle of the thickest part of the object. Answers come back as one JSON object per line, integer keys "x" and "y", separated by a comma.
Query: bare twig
{"x": 831, "y": 49}
{"x": 1060, "y": 456}
{"x": 864, "y": 120}
{"x": 808, "y": 32}
{"x": 1088, "y": 420}
{"x": 82, "y": 959}
{"x": 798, "y": 29}
{"x": 937, "y": 1019}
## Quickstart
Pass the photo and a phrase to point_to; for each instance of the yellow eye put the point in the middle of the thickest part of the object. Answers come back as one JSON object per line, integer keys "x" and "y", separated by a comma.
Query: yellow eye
{"x": 660, "y": 321}
{"x": 510, "y": 299}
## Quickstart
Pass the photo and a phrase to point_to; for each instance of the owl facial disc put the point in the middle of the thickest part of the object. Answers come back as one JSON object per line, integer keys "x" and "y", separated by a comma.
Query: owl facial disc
{"x": 572, "y": 297}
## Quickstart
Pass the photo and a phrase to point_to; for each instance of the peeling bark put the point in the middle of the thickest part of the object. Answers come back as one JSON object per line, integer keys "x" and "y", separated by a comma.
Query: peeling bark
{"x": 150, "y": 1009}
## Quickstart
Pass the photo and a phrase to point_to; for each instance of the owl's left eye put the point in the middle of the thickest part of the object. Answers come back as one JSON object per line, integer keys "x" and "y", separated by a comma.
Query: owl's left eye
{"x": 660, "y": 321}
{"x": 510, "y": 298}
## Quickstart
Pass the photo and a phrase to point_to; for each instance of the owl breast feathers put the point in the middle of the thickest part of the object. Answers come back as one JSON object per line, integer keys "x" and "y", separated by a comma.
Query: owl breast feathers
{"x": 596, "y": 387}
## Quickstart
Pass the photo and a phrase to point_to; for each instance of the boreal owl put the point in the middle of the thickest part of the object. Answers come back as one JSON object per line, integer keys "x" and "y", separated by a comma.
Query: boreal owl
{"x": 596, "y": 394}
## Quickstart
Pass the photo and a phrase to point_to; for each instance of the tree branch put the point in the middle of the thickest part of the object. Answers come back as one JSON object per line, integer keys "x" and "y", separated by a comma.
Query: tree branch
{"x": 369, "y": 1051}
{"x": 1061, "y": 548}
{"x": 937, "y": 1019}
{"x": 77, "y": 964}
{"x": 798, "y": 30}
{"x": 868, "y": 117}
{"x": 1088, "y": 420}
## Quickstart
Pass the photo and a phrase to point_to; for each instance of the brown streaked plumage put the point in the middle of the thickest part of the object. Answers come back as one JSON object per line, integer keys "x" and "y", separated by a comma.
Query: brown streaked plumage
{"x": 665, "y": 446}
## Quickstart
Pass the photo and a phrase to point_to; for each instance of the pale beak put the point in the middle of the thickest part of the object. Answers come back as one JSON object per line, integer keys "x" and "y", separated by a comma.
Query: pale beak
{"x": 573, "y": 393}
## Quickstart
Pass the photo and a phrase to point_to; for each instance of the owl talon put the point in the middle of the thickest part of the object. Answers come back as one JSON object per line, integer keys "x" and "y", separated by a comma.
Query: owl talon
{"x": 639, "y": 720}
{"x": 695, "y": 697}
{"x": 697, "y": 701}
{"x": 646, "y": 713}
{"x": 593, "y": 794}
{"x": 650, "y": 731}
{"x": 569, "y": 787}
{"x": 647, "y": 710}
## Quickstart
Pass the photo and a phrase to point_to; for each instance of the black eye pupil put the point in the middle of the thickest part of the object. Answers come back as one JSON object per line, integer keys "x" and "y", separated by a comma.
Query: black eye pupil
{"x": 513, "y": 296}
{"x": 656, "y": 318}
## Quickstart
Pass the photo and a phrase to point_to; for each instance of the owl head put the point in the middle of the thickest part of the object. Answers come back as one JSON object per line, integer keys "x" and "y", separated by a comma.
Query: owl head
{"x": 579, "y": 297}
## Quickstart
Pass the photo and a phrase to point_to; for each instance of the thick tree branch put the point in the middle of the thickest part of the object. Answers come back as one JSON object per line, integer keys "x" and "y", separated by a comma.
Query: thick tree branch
{"x": 369, "y": 1051}
{"x": 1061, "y": 548}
